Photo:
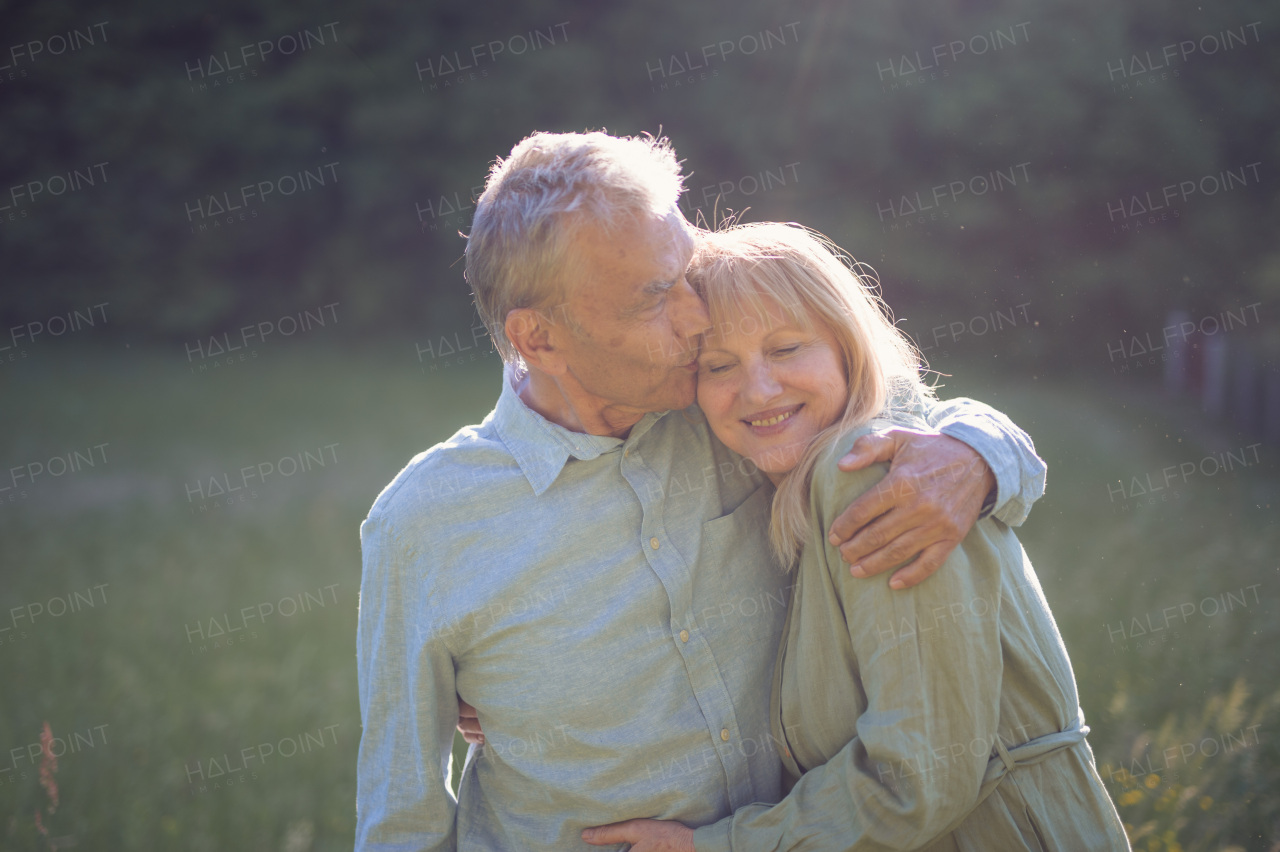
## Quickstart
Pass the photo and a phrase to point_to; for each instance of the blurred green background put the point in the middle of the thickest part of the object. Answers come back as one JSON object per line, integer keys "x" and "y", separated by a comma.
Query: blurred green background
{"x": 1041, "y": 186}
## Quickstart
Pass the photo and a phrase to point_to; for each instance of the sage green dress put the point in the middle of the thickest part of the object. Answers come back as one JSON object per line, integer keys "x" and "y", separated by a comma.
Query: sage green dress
{"x": 941, "y": 717}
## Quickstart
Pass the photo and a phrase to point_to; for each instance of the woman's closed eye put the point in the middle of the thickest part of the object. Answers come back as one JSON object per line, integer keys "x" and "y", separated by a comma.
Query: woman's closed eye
{"x": 717, "y": 367}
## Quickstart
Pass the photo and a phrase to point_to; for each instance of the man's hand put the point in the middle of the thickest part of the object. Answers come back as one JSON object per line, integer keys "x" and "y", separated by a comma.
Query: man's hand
{"x": 644, "y": 835}
{"x": 927, "y": 503}
{"x": 469, "y": 724}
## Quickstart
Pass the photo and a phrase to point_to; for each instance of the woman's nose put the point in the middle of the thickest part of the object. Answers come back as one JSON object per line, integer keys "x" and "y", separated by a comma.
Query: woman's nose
{"x": 762, "y": 385}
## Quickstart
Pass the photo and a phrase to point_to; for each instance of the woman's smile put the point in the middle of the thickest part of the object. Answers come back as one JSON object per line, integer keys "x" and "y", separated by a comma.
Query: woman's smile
{"x": 773, "y": 421}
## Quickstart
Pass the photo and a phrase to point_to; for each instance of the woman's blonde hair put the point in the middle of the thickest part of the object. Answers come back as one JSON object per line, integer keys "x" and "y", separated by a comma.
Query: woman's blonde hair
{"x": 757, "y": 268}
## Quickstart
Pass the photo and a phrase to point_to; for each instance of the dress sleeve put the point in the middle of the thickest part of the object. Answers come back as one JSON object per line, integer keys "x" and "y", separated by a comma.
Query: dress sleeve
{"x": 928, "y": 661}
{"x": 1007, "y": 450}
{"x": 408, "y": 705}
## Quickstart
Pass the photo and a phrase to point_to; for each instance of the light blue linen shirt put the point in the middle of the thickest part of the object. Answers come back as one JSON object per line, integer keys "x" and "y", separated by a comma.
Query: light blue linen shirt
{"x": 610, "y": 609}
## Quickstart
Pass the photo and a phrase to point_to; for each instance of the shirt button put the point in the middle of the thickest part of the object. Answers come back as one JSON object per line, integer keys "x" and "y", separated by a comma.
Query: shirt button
{"x": 724, "y": 734}
{"x": 786, "y": 752}
{"x": 653, "y": 542}
{"x": 684, "y": 635}
{"x": 626, "y": 452}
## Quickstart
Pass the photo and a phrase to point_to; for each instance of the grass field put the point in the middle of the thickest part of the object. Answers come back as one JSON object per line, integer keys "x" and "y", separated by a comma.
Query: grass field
{"x": 193, "y": 652}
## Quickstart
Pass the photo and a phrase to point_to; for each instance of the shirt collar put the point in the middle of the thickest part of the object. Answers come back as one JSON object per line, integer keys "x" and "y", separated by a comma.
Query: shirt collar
{"x": 543, "y": 448}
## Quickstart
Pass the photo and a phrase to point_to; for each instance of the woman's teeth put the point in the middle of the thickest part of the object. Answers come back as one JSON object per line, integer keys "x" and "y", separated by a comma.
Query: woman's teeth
{"x": 772, "y": 420}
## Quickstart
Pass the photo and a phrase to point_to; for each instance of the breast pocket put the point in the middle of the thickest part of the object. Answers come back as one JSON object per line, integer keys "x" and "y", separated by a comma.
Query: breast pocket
{"x": 751, "y": 518}
{"x": 740, "y": 592}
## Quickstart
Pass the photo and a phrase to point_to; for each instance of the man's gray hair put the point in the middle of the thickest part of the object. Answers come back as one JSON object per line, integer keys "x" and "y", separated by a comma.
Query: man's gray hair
{"x": 534, "y": 202}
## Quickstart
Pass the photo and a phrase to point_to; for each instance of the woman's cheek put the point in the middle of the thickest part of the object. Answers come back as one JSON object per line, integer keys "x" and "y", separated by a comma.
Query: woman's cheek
{"x": 716, "y": 401}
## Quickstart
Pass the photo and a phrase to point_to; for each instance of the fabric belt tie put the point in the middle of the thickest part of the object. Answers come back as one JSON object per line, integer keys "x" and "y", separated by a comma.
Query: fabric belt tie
{"x": 1004, "y": 760}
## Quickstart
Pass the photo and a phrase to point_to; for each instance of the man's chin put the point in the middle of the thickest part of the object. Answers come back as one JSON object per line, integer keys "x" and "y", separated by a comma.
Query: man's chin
{"x": 682, "y": 390}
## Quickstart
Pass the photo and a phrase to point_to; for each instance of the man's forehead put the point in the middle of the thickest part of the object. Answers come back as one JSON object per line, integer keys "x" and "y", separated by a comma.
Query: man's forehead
{"x": 655, "y": 234}
{"x": 626, "y": 267}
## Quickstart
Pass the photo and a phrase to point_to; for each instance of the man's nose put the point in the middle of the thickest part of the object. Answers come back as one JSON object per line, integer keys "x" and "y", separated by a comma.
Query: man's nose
{"x": 689, "y": 316}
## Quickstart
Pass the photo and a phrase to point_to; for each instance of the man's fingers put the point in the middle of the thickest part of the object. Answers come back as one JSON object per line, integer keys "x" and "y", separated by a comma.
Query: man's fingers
{"x": 465, "y": 710}
{"x": 929, "y": 561}
{"x": 916, "y": 515}
{"x": 873, "y": 520}
{"x": 888, "y": 545}
{"x": 604, "y": 835}
{"x": 862, "y": 512}
{"x": 869, "y": 449}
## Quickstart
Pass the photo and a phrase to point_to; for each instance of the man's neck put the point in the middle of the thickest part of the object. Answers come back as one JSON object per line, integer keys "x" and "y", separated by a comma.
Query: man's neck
{"x": 564, "y": 403}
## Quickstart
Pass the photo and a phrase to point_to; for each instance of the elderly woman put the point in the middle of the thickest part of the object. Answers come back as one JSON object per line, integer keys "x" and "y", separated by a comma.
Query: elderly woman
{"x": 944, "y": 717}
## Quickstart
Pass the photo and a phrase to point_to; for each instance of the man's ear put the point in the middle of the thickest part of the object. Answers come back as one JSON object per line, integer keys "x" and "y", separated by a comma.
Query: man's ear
{"x": 537, "y": 339}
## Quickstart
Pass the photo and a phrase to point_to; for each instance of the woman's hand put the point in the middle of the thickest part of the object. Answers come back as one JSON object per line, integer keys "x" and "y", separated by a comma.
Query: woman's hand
{"x": 644, "y": 835}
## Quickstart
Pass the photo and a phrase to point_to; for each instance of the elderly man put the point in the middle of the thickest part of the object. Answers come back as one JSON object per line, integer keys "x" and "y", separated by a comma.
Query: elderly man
{"x": 588, "y": 567}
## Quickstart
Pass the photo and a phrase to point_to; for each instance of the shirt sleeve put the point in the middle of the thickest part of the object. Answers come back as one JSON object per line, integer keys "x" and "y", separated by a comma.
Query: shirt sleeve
{"x": 408, "y": 705}
{"x": 928, "y": 660}
{"x": 1007, "y": 450}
